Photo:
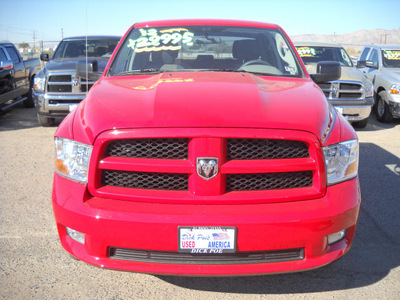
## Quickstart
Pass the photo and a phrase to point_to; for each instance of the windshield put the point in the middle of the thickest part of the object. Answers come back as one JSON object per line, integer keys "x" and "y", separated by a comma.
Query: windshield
{"x": 391, "y": 58}
{"x": 77, "y": 48}
{"x": 205, "y": 48}
{"x": 314, "y": 54}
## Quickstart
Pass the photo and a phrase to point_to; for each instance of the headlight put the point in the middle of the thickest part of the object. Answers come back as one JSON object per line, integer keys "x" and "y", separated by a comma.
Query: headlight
{"x": 395, "y": 89}
{"x": 341, "y": 161}
{"x": 369, "y": 91}
{"x": 39, "y": 82}
{"x": 72, "y": 159}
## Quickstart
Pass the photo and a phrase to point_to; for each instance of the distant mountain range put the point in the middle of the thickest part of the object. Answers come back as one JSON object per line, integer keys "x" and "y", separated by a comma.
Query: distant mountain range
{"x": 354, "y": 40}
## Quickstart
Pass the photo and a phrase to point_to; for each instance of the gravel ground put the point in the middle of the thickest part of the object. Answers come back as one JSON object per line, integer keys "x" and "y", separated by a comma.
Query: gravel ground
{"x": 33, "y": 264}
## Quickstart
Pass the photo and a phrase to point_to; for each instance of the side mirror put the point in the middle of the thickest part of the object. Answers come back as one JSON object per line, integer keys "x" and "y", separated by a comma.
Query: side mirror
{"x": 366, "y": 63}
{"x": 327, "y": 71}
{"x": 89, "y": 70}
{"x": 6, "y": 65}
{"x": 370, "y": 64}
{"x": 44, "y": 57}
{"x": 361, "y": 64}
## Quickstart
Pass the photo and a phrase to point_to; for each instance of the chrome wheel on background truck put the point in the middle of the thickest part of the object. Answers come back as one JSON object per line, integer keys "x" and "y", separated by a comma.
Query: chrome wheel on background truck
{"x": 383, "y": 113}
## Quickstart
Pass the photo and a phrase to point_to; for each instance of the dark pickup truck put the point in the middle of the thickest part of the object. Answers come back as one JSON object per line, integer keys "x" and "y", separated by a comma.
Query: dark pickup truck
{"x": 16, "y": 77}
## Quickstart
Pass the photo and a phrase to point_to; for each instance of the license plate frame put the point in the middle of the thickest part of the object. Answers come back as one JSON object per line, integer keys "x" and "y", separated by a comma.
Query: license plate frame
{"x": 207, "y": 239}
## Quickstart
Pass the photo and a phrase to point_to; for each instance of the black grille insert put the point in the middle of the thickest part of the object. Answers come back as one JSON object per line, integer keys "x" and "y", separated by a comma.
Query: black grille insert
{"x": 59, "y": 88}
{"x": 350, "y": 86}
{"x": 324, "y": 85}
{"x": 60, "y": 78}
{"x": 350, "y": 95}
{"x": 210, "y": 259}
{"x": 265, "y": 149}
{"x": 268, "y": 181}
{"x": 168, "y": 148}
{"x": 63, "y": 101}
{"x": 141, "y": 180}
{"x": 85, "y": 88}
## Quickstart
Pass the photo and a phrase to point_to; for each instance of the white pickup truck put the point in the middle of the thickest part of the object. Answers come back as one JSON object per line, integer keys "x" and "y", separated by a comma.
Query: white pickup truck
{"x": 381, "y": 64}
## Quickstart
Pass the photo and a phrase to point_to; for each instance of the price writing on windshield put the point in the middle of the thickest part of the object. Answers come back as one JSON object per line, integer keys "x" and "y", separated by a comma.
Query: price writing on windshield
{"x": 391, "y": 54}
{"x": 165, "y": 39}
{"x": 306, "y": 51}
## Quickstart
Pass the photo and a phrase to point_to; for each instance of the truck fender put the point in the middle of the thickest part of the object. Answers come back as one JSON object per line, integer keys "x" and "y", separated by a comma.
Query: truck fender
{"x": 32, "y": 73}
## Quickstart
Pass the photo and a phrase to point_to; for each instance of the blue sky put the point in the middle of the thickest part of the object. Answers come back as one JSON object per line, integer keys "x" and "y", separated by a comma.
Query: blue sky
{"x": 19, "y": 18}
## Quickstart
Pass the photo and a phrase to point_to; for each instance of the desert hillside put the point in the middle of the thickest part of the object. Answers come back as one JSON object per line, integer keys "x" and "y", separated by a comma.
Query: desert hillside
{"x": 354, "y": 41}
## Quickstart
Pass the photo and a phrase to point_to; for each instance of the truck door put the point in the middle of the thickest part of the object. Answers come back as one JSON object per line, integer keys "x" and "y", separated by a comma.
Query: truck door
{"x": 4, "y": 78}
{"x": 371, "y": 72}
{"x": 20, "y": 79}
{"x": 363, "y": 57}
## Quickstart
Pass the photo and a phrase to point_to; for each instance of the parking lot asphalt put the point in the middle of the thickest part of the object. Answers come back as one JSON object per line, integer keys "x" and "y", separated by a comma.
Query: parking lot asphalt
{"x": 33, "y": 265}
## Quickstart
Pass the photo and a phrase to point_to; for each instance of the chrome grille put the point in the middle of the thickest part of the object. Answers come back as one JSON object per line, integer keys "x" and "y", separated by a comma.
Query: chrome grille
{"x": 268, "y": 181}
{"x": 343, "y": 90}
{"x": 66, "y": 83}
{"x": 60, "y": 83}
{"x": 210, "y": 259}
{"x": 265, "y": 149}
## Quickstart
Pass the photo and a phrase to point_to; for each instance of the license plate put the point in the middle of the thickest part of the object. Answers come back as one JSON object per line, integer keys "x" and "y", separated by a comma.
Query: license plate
{"x": 339, "y": 109}
{"x": 72, "y": 107}
{"x": 207, "y": 240}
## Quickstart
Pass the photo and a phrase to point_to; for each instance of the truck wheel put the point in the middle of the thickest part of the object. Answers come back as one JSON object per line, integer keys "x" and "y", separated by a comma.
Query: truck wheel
{"x": 361, "y": 124}
{"x": 29, "y": 103}
{"x": 45, "y": 121}
{"x": 383, "y": 113}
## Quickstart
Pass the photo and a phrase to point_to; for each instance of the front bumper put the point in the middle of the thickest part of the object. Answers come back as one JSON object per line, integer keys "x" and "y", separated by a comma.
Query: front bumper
{"x": 133, "y": 225}
{"x": 395, "y": 109}
{"x": 354, "y": 111}
{"x": 57, "y": 105}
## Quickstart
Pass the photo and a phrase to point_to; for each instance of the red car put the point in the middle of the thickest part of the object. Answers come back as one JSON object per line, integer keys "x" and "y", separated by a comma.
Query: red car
{"x": 205, "y": 148}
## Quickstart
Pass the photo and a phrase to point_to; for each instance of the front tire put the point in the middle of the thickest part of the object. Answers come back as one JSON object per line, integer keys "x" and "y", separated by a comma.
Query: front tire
{"x": 383, "y": 113}
{"x": 29, "y": 103}
{"x": 362, "y": 123}
{"x": 45, "y": 121}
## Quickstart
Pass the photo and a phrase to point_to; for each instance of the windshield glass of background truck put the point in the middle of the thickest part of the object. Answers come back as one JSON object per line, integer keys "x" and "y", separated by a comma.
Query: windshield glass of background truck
{"x": 314, "y": 54}
{"x": 206, "y": 48}
{"x": 77, "y": 48}
{"x": 391, "y": 58}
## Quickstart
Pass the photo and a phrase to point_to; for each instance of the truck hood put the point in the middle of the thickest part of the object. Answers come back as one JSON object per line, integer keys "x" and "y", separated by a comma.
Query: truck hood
{"x": 68, "y": 65}
{"x": 203, "y": 99}
{"x": 393, "y": 74}
{"x": 61, "y": 65}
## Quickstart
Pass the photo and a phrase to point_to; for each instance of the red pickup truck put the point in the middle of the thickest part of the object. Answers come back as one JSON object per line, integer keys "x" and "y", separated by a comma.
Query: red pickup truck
{"x": 205, "y": 148}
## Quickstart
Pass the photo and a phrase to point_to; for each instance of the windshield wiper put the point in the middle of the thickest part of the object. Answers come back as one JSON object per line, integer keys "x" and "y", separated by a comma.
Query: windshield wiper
{"x": 141, "y": 71}
{"x": 241, "y": 71}
{"x": 223, "y": 70}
